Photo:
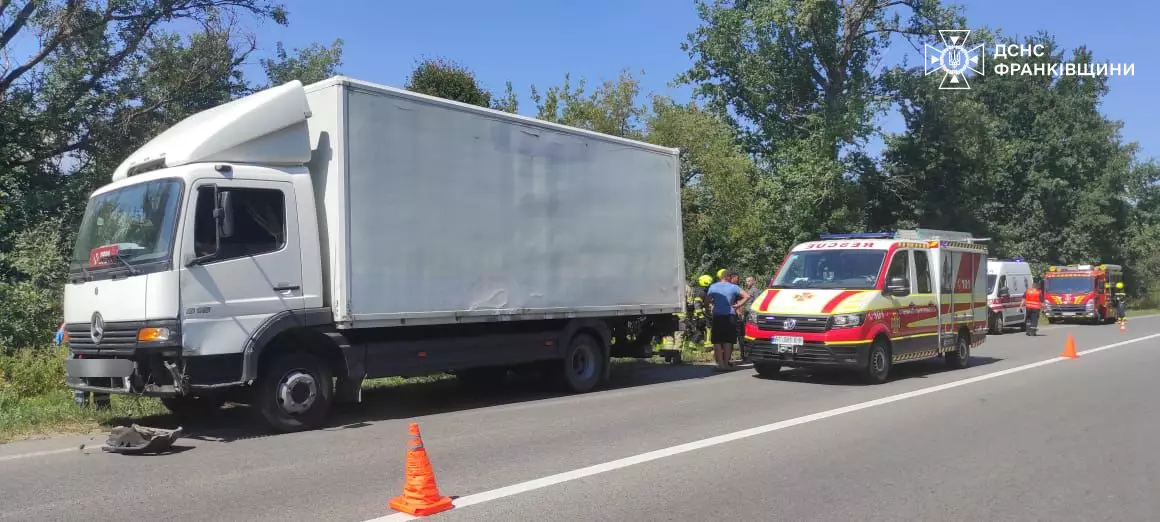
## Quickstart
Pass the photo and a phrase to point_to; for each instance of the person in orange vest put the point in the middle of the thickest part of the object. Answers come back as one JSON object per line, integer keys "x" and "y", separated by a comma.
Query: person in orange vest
{"x": 1033, "y": 302}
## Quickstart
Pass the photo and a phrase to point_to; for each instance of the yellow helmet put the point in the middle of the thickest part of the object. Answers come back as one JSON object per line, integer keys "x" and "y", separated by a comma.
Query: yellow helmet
{"x": 705, "y": 280}
{"x": 1120, "y": 285}
{"x": 720, "y": 273}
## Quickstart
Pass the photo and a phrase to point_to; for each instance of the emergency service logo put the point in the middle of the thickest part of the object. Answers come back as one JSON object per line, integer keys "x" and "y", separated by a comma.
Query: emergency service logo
{"x": 954, "y": 59}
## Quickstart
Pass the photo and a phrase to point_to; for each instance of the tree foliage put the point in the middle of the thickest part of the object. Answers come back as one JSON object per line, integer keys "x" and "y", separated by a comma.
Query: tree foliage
{"x": 90, "y": 82}
{"x": 449, "y": 80}
{"x": 312, "y": 64}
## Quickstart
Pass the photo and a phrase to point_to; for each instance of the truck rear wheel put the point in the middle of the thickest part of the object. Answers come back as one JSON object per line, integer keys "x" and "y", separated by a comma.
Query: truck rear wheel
{"x": 295, "y": 392}
{"x": 582, "y": 365}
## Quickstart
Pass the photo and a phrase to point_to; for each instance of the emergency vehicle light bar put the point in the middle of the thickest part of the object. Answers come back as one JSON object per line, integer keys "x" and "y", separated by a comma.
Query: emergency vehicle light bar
{"x": 857, "y": 235}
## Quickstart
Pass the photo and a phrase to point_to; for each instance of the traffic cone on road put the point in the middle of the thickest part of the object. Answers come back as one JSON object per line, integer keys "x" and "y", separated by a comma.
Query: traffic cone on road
{"x": 1123, "y": 325}
{"x": 420, "y": 494}
{"x": 1069, "y": 348}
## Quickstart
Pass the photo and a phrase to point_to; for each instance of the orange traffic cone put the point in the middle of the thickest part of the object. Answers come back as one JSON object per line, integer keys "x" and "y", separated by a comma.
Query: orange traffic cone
{"x": 420, "y": 494}
{"x": 1123, "y": 325}
{"x": 1069, "y": 348}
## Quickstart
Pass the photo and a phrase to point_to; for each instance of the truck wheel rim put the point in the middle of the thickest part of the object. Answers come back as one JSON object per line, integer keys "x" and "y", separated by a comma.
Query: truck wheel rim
{"x": 582, "y": 364}
{"x": 297, "y": 392}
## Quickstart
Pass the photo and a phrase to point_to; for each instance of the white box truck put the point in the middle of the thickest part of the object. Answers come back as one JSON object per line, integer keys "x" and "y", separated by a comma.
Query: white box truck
{"x": 280, "y": 248}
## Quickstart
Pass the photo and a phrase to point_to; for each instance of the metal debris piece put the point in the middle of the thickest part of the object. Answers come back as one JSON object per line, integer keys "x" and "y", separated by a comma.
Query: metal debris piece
{"x": 139, "y": 440}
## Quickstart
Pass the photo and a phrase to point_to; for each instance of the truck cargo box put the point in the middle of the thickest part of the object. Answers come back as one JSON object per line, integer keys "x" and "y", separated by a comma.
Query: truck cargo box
{"x": 434, "y": 211}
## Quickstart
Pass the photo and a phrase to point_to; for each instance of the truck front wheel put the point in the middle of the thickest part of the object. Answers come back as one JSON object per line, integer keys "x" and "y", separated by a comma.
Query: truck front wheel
{"x": 582, "y": 366}
{"x": 295, "y": 392}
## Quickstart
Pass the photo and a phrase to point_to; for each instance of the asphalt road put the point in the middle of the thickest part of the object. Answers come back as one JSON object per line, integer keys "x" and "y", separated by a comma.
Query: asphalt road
{"x": 1064, "y": 440}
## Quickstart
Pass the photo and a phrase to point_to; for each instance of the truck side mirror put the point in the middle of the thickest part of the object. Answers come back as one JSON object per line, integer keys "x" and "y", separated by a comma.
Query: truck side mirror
{"x": 224, "y": 213}
{"x": 898, "y": 287}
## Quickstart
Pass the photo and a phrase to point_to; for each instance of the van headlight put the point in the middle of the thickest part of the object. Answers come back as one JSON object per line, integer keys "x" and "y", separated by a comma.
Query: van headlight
{"x": 848, "y": 320}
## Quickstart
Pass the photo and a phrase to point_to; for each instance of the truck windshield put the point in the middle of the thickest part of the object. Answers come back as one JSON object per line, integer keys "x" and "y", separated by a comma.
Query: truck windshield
{"x": 1067, "y": 285}
{"x": 845, "y": 269}
{"x": 127, "y": 228}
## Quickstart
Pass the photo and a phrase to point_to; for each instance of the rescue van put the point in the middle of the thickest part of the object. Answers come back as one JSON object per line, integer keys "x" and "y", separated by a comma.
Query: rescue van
{"x": 1007, "y": 281}
{"x": 1081, "y": 292}
{"x": 871, "y": 300}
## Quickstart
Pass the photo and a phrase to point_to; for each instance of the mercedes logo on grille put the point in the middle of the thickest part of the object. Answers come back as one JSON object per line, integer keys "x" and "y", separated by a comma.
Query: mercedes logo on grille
{"x": 790, "y": 324}
{"x": 97, "y": 328}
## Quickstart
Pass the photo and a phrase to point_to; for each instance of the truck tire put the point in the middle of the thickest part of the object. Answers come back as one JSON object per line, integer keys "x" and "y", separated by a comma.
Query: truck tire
{"x": 582, "y": 365}
{"x": 769, "y": 370}
{"x": 192, "y": 408}
{"x": 878, "y": 362}
{"x": 295, "y": 392}
{"x": 961, "y": 357}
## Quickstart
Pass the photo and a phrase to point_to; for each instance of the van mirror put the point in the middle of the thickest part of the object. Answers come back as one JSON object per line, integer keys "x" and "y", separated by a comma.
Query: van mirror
{"x": 1003, "y": 292}
{"x": 898, "y": 287}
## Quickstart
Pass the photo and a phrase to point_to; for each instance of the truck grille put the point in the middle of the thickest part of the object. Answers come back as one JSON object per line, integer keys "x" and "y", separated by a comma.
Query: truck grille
{"x": 118, "y": 338}
{"x": 801, "y": 323}
{"x": 1069, "y": 308}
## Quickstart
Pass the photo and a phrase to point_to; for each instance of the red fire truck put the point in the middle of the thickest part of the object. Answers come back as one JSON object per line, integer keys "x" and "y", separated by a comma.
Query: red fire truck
{"x": 1081, "y": 292}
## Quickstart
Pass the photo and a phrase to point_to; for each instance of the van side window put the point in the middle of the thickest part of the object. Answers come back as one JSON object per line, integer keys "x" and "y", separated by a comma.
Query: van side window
{"x": 922, "y": 272}
{"x": 259, "y": 223}
{"x": 899, "y": 266}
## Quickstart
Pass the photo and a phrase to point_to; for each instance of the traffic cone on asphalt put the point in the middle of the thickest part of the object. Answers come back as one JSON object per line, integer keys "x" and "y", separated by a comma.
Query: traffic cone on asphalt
{"x": 1069, "y": 348}
{"x": 420, "y": 494}
{"x": 1123, "y": 325}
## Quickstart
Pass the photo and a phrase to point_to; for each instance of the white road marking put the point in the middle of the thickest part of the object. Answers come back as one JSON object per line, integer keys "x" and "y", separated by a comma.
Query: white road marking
{"x": 38, "y": 453}
{"x": 567, "y": 476}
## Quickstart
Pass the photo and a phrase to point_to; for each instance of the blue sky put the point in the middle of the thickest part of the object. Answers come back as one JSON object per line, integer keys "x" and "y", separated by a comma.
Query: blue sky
{"x": 538, "y": 42}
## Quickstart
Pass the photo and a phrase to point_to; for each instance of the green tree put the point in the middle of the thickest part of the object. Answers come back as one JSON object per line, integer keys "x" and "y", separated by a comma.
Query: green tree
{"x": 447, "y": 79}
{"x": 312, "y": 64}
{"x": 798, "y": 80}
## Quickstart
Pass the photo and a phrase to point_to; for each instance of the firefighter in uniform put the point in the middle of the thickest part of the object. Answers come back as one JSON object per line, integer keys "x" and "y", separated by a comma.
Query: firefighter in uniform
{"x": 1033, "y": 302}
{"x": 695, "y": 321}
{"x": 1121, "y": 298}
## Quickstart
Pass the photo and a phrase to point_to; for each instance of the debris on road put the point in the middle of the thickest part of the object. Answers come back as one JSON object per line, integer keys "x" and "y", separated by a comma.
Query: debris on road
{"x": 137, "y": 440}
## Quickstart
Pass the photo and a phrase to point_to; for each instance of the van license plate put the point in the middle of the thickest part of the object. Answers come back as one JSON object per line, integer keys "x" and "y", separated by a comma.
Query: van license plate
{"x": 788, "y": 340}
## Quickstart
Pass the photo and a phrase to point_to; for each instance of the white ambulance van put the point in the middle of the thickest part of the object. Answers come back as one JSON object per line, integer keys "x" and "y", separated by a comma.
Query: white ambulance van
{"x": 1007, "y": 281}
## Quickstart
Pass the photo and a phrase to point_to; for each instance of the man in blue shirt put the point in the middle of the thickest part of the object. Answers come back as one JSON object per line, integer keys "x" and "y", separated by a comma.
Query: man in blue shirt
{"x": 727, "y": 299}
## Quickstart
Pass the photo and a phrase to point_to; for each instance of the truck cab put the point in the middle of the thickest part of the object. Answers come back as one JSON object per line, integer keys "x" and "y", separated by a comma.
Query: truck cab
{"x": 1081, "y": 291}
{"x": 205, "y": 235}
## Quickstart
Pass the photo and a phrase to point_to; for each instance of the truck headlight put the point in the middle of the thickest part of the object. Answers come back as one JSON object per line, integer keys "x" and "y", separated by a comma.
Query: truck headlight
{"x": 1091, "y": 305}
{"x": 847, "y": 320}
{"x": 150, "y": 335}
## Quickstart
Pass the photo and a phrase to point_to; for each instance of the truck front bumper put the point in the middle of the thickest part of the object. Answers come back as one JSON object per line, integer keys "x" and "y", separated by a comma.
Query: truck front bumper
{"x": 809, "y": 355}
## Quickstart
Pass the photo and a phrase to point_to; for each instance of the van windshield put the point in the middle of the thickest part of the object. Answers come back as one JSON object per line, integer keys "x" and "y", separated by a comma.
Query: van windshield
{"x": 841, "y": 269}
{"x": 127, "y": 227}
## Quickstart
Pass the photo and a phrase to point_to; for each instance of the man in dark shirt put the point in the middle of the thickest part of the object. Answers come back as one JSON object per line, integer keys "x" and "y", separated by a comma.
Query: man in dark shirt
{"x": 727, "y": 299}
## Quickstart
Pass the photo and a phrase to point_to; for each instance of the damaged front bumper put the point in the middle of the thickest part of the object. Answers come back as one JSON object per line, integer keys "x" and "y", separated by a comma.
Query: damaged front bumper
{"x": 141, "y": 358}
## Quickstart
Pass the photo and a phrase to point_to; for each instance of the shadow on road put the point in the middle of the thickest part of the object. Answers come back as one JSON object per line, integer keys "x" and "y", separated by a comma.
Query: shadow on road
{"x": 236, "y": 422}
{"x": 911, "y": 370}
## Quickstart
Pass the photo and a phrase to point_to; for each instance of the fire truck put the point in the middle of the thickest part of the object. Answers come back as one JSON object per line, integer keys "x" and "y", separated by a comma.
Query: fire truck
{"x": 1081, "y": 292}
{"x": 871, "y": 300}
